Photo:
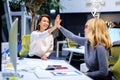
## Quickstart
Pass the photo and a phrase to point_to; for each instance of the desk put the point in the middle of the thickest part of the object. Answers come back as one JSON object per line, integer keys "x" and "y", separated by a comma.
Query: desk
{"x": 0, "y": 75}
{"x": 80, "y": 50}
{"x": 57, "y": 51}
{"x": 28, "y": 67}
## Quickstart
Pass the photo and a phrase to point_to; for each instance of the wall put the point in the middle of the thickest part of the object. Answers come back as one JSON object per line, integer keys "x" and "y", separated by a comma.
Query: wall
{"x": 79, "y": 6}
{"x": 108, "y": 16}
{"x": 74, "y": 22}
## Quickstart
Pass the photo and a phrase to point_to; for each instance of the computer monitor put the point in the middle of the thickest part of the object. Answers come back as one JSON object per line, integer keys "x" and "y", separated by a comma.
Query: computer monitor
{"x": 13, "y": 43}
{"x": 0, "y": 61}
{"x": 114, "y": 34}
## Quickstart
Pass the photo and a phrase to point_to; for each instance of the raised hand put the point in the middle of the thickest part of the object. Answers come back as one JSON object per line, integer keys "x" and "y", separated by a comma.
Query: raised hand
{"x": 56, "y": 24}
{"x": 57, "y": 21}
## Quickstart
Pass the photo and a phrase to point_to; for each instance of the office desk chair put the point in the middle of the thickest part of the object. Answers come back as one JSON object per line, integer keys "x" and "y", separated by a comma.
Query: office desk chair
{"x": 116, "y": 69}
{"x": 114, "y": 60}
{"x": 71, "y": 44}
{"x": 25, "y": 46}
{"x": 114, "y": 54}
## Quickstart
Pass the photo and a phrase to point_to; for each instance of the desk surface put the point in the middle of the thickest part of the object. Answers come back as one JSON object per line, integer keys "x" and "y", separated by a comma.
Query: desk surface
{"x": 34, "y": 69}
{"x": 0, "y": 75}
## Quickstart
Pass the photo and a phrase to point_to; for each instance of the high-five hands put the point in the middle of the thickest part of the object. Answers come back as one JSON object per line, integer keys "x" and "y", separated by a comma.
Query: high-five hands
{"x": 58, "y": 21}
{"x": 56, "y": 25}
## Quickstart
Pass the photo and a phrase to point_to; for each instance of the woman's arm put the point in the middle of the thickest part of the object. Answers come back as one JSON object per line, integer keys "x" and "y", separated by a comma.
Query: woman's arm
{"x": 57, "y": 21}
{"x": 52, "y": 29}
{"x": 102, "y": 60}
{"x": 49, "y": 50}
{"x": 73, "y": 37}
{"x": 45, "y": 33}
{"x": 68, "y": 34}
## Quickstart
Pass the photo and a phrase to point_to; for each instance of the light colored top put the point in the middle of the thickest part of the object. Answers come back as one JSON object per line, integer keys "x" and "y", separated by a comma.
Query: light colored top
{"x": 41, "y": 43}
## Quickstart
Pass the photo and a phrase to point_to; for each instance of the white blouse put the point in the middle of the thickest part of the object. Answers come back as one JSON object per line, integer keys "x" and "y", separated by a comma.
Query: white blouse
{"x": 41, "y": 43}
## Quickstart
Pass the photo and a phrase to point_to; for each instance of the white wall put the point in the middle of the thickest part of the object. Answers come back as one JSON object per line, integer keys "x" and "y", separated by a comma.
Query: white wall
{"x": 79, "y": 6}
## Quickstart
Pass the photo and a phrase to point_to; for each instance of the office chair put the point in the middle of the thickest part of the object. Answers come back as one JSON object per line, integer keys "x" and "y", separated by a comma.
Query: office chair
{"x": 114, "y": 60}
{"x": 68, "y": 44}
{"x": 116, "y": 69}
{"x": 71, "y": 44}
{"x": 114, "y": 54}
{"x": 25, "y": 46}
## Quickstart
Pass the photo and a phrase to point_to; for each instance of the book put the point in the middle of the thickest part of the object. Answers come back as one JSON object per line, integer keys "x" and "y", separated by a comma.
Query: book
{"x": 55, "y": 67}
{"x": 66, "y": 73}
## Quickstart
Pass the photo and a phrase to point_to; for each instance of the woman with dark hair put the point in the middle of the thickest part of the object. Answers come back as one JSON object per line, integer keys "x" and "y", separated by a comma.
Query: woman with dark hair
{"x": 40, "y": 19}
{"x": 41, "y": 40}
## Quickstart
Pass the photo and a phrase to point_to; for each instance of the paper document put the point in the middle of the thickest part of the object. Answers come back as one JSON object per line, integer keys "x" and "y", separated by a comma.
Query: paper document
{"x": 66, "y": 73}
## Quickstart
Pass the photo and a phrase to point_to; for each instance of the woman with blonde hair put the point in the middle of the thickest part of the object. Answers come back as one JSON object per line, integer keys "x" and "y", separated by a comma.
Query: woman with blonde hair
{"x": 97, "y": 45}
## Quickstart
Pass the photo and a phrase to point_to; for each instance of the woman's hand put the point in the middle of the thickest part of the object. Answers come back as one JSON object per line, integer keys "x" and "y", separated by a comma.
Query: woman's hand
{"x": 57, "y": 21}
{"x": 85, "y": 73}
{"x": 57, "y": 24}
{"x": 44, "y": 57}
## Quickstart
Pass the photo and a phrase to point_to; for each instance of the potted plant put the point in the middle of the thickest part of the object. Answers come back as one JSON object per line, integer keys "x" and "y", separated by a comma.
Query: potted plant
{"x": 40, "y": 6}
{"x": 14, "y": 5}
{"x": 35, "y": 7}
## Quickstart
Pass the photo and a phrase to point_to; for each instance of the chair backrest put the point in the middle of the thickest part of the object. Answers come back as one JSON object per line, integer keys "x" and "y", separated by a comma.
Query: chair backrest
{"x": 71, "y": 44}
{"x": 116, "y": 69}
{"x": 25, "y": 45}
{"x": 115, "y": 51}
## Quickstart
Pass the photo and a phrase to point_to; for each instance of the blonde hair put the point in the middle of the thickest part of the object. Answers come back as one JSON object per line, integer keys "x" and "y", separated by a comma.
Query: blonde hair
{"x": 98, "y": 34}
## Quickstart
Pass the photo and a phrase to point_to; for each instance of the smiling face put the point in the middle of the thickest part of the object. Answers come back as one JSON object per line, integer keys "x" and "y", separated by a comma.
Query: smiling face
{"x": 44, "y": 23}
